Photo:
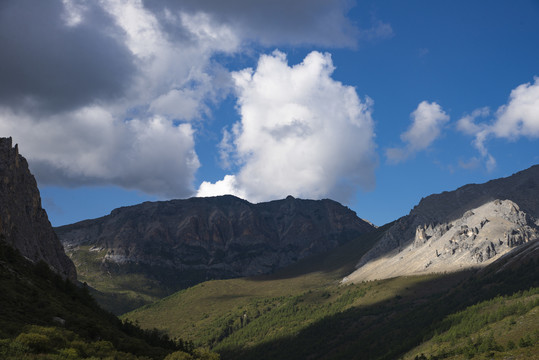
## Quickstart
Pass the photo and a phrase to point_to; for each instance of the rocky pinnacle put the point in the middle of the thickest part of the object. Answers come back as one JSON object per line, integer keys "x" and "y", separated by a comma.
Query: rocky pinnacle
{"x": 23, "y": 222}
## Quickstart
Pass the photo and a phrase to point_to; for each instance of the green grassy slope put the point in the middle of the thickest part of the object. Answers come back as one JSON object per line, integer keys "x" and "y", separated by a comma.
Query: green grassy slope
{"x": 227, "y": 313}
{"x": 302, "y": 312}
{"x": 501, "y": 328}
{"x": 121, "y": 292}
{"x": 203, "y": 312}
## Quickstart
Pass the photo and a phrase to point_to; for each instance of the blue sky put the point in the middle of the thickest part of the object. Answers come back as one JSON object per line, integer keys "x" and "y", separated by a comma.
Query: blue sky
{"x": 375, "y": 104}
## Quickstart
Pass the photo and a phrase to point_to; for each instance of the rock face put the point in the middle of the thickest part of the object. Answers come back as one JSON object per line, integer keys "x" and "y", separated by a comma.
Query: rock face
{"x": 219, "y": 237}
{"x": 471, "y": 226}
{"x": 23, "y": 222}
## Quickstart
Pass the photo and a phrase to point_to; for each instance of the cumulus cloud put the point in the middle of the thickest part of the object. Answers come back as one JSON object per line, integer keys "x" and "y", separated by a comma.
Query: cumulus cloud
{"x": 228, "y": 186}
{"x": 301, "y": 133}
{"x": 53, "y": 65}
{"x": 277, "y": 22}
{"x": 98, "y": 93}
{"x": 427, "y": 122}
{"x": 518, "y": 118}
{"x": 110, "y": 92}
{"x": 88, "y": 146}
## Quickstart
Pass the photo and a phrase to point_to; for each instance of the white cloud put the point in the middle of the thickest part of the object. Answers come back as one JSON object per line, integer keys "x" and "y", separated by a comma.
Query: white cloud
{"x": 176, "y": 76}
{"x": 301, "y": 132}
{"x": 518, "y": 118}
{"x": 89, "y": 146}
{"x": 467, "y": 123}
{"x": 184, "y": 104}
{"x": 145, "y": 67}
{"x": 427, "y": 122}
{"x": 227, "y": 186}
{"x": 276, "y": 22}
{"x": 169, "y": 80}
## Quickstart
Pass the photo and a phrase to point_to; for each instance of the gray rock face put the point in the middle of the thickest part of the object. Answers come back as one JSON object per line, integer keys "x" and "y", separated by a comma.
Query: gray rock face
{"x": 23, "y": 222}
{"x": 522, "y": 188}
{"x": 221, "y": 237}
{"x": 478, "y": 238}
{"x": 463, "y": 228}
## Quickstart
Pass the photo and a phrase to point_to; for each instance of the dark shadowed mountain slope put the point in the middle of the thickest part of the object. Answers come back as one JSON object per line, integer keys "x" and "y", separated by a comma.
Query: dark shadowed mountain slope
{"x": 23, "y": 222}
{"x": 178, "y": 243}
{"x": 43, "y": 316}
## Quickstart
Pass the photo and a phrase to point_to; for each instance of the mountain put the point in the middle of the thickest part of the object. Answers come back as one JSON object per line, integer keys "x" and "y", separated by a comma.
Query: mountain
{"x": 23, "y": 222}
{"x": 469, "y": 227}
{"x": 45, "y": 313}
{"x": 155, "y": 248}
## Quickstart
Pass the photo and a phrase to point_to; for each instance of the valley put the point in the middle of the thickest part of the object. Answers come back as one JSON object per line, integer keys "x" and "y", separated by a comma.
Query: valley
{"x": 287, "y": 315}
{"x": 293, "y": 279}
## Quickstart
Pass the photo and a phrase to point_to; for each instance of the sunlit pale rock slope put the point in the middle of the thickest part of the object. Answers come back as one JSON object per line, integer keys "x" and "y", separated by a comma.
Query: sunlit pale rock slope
{"x": 469, "y": 227}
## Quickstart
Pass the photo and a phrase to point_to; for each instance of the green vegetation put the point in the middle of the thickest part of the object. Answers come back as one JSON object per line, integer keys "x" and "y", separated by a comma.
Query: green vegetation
{"x": 116, "y": 293}
{"x": 302, "y": 312}
{"x": 131, "y": 287}
{"x": 503, "y": 327}
{"x": 57, "y": 343}
{"x": 209, "y": 312}
{"x": 46, "y": 317}
{"x": 53, "y": 343}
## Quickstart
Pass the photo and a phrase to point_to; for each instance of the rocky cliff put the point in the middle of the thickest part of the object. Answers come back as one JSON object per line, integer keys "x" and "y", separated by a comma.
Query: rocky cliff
{"x": 471, "y": 226}
{"x": 23, "y": 222}
{"x": 209, "y": 238}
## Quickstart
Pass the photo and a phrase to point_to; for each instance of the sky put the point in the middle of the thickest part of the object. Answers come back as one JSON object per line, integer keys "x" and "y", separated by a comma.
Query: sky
{"x": 375, "y": 104}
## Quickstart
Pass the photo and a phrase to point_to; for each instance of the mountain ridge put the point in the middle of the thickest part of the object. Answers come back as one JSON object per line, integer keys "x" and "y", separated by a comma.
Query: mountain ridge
{"x": 178, "y": 243}
{"x": 468, "y": 227}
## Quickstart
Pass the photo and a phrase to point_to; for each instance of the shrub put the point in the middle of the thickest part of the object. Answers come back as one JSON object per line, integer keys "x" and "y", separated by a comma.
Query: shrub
{"x": 204, "y": 354}
{"x": 69, "y": 354}
{"x": 37, "y": 343}
{"x": 179, "y": 355}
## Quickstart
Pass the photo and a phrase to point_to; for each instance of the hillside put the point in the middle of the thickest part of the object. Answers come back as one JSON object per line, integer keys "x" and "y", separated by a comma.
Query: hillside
{"x": 202, "y": 312}
{"x": 306, "y": 311}
{"x": 306, "y": 314}
{"x": 470, "y": 227}
{"x": 44, "y": 314}
{"x": 141, "y": 253}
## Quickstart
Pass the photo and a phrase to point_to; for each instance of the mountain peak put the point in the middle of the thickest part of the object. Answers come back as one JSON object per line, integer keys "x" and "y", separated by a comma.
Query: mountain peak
{"x": 468, "y": 227}
{"x": 23, "y": 222}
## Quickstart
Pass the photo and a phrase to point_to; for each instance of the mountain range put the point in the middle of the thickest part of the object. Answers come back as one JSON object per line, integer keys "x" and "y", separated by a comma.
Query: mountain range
{"x": 456, "y": 277}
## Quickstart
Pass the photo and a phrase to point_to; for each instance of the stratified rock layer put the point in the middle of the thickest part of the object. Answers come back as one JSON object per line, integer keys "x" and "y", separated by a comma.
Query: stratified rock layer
{"x": 23, "y": 222}
{"x": 218, "y": 237}
{"x": 471, "y": 226}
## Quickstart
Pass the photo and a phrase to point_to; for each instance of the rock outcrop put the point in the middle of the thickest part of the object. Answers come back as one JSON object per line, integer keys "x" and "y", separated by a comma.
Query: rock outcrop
{"x": 471, "y": 226}
{"x": 23, "y": 222}
{"x": 212, "y": 238}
